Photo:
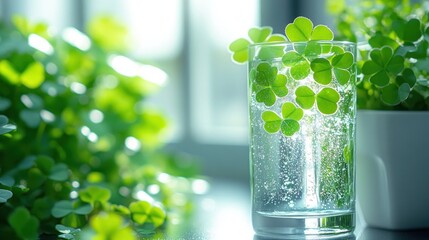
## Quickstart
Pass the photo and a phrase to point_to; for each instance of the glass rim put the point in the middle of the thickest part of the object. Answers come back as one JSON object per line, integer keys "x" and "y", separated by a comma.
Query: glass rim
{"x": 284, "y": 43}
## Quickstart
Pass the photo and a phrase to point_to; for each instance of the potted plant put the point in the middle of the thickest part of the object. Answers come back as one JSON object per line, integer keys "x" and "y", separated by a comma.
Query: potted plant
{"x": 393, "y": 99}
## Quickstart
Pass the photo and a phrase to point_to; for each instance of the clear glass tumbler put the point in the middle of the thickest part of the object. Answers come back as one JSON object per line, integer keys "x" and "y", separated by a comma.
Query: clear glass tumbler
{"x": 302, "y": 102}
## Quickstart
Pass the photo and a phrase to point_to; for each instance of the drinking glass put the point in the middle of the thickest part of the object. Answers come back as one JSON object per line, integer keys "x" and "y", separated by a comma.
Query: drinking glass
{"x": 302, "y": 108}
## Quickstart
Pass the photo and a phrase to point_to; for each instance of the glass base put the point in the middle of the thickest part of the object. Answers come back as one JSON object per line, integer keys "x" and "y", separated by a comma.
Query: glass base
{"x": 290, "y": 225}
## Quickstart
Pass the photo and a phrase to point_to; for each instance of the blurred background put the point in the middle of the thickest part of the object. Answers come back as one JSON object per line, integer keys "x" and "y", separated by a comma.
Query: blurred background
{"x": 204, "y": 96}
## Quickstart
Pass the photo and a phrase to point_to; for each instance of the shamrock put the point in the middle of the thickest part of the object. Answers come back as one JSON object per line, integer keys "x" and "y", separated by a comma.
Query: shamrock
{"x": 382, "y": 63}
{"x": 299, "y": 65}
{"x": 398, "y": 91}
{"x": 323, "y": 69}
{"x": 301, "y": 30}
{"x": 268, "y": 84}
{"x": 239, "y": 47}
{"x": 327, "y": 99}
{"x": 288, "y": 123}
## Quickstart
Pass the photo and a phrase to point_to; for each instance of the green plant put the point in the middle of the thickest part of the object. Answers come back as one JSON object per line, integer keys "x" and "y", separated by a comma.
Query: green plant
{"x": 269, "y": 85}
{"x": 394, "y": 63}
{"x": 87, "y": 149}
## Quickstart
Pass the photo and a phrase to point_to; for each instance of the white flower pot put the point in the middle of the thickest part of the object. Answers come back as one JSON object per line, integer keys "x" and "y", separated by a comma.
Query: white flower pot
{"x": 392, "y": 176}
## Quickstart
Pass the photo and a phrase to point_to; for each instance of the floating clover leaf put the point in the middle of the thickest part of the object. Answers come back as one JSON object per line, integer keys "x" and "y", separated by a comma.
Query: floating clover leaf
{"x": 269, "y": 84}
{"x": 258, "y": 35}
{"x": 272, "y": 121}
{"x": 327, "y": 100}
{"x": 288, "y": 123}
{"x": 301, "y": 30}
{"x": 299, "y": 65}
{"x": 270, "y": 52}
{"x": 381, "y": 64}
{"x": 305, "y": 97}
{"x": 239, "y": 47}
{"x": 322, "y": 68}
{"x": 340, "y": 64}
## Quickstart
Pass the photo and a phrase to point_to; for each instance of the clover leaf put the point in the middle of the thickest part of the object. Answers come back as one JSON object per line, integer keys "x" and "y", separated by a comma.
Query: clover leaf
{"x": 239, "y": 47}
{"x": 67, "y": 232}
{"x": 299, "y": 65}
{"x": 381, "y": 64}
{"x": 269, "y": 51}
{"x": 305, "y": 97}
{"x": 272, "y": 121}
{"x": 66, "y": 207}
{"x": 408, "y": 31}
{"x": 258, "y": 35}
{"x": 397, "y": 92}
{"x": 94, "y": 194}
{"x": 301, "y": 30}
{"x": 288, "y": 123}
{"x": 327, "y": 100}
{"x": 111, "y": 226}
{"x": 5, "y": 127}
{"x": 5, "y": 195}
{"x": 322, "y": 70}
{"x": 143, "y": 211}
{"x": 25, "y": 225}
{"x": 340, "y": 64}
{"x": 269, "y": 84}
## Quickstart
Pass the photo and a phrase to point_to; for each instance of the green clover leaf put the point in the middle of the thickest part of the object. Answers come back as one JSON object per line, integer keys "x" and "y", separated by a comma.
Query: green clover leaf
{"x": 269, "y": 84}
{"x": 288, "y": 123}
{"x": 397, "y": 92}
{"x": 305, "y": 97}
{"x": 5, "y": 127}
{"x": 94, "y": 194}
{"x": 5, "y": 195}
{"x": 322, "y": 70}
{"x": 111, "y": 226}
{"x": 299, "y": 66}
{"x": 272, "y": 121}
{"x": 65, "y": 207}
{"x": 327, "y": 100}
{"x": 381, "y": 64}
{"x": 26, "y": 226}
{"x": 408, "y": 31}
{"x": 259, "y": 35}
{"x": 340, "y": 64}
{"x": 289, "y": 127}
{"x": 301, "y": 30}
{"x": 290, "y": 111}
{"x": 270, "y": 52}
{"x": 142, "y": 212}
{"x": 239, "y": 49}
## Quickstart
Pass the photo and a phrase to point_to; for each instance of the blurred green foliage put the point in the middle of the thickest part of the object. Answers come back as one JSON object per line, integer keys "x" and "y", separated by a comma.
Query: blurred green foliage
{"x": 394, "y": 56}
{"x": 86, "y": 148}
